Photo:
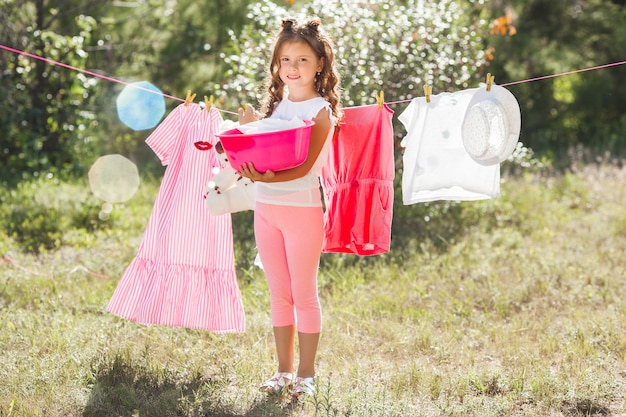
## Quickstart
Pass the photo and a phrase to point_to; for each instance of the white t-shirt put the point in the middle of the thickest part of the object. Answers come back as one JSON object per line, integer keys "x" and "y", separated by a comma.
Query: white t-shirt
{"x": 303, "y": 191}
{"x": 436, "y": 164}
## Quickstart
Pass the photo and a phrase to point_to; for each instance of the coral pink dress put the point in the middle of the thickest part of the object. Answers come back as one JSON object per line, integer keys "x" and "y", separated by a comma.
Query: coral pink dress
{"x": 358, "y": 183}
{"x": 184, "y": 272}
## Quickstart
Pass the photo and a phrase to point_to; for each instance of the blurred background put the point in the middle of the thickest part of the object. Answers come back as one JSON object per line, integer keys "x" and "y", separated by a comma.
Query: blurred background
{"x": 56, "y": 120}
{"x": 508, "y": 306}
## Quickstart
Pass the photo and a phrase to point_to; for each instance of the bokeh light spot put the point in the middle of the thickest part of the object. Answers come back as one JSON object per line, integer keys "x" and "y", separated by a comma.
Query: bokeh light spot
{"x": 113, "y": 178}
{"x": 107, "y": 208}
{"x": 138, "y": 108}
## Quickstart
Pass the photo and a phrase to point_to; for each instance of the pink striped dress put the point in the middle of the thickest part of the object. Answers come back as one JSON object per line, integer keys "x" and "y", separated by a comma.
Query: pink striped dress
{"x": 184, "y": 272}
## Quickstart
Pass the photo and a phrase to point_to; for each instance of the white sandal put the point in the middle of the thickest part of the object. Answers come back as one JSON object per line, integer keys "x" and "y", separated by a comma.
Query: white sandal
{"x": 279, "y": 382}
{"x": 303, "y": 386}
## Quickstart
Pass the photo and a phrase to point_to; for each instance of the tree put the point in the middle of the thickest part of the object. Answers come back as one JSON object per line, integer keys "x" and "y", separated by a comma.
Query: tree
{"x": 174, "y": 46}
{"x": 56, "y": 120}
{"x": 555, "y": 36}
{"x": 381, "y": 45}
{"x": 44, "y": 120}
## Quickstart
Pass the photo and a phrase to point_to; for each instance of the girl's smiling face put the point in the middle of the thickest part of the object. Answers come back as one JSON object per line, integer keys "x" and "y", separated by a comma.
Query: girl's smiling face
{"x": 298, "y": 66}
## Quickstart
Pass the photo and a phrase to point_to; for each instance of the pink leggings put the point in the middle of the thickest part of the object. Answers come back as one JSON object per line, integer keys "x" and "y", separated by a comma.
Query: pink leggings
{"x": 289, "y": 241}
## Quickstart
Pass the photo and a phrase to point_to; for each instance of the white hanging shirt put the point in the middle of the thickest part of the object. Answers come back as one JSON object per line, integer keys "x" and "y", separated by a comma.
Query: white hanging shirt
{"x": 436, "y": 164}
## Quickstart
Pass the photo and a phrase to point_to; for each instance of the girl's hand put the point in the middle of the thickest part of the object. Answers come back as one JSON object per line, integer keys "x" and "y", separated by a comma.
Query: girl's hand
{"x": 247, "y": 114}
{"x": 247, "y": 170}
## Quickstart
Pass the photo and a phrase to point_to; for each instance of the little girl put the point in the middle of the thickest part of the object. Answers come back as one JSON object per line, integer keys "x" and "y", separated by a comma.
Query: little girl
{"x": 288, "y": 215}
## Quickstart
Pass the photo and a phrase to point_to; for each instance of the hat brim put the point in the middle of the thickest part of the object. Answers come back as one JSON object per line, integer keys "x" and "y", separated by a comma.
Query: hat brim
{"x": 491, "y": 125}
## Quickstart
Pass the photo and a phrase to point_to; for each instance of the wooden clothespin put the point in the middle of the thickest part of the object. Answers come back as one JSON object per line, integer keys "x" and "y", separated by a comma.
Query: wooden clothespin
{"x": 380, "y": 99}
{"x": 490, "y": 80}
{"x": 190, "y": 98}
{"x": 208, "y": 103}
{"x": 428, "y": 90}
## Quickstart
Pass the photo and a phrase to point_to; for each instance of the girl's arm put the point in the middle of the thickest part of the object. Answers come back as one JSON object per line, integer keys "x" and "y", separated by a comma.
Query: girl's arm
{"x": 319, "y": 132}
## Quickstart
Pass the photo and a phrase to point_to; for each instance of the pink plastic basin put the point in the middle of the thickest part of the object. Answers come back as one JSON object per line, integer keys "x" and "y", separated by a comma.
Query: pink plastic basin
{"x": 268, "y": 150}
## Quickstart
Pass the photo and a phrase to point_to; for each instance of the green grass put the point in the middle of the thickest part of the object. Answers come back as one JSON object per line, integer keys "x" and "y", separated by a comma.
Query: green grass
{"x": 522, "y": 313}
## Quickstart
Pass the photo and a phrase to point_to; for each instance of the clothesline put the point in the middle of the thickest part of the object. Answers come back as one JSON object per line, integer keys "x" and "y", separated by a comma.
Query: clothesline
{"x": 9, "y": 260}
{"x": 108, "y": 78}
{"x": 544, "y": 77}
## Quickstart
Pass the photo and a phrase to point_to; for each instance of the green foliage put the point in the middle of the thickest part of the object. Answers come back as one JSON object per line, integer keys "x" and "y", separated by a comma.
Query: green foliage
{"x": 54, "y": 118}
{"x": 40, "y": 215}
{"x": 34, "y": 227}
{"x": 245, "y": 245}
{"x": 46, "y": 125}
{"x": 393, "y": 46}
{"x": 560, "y": 36}
{"x": 175, "y": 46}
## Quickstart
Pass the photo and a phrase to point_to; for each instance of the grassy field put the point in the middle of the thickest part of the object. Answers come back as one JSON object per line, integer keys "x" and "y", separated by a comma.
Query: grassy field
{"x": 520, "y": 314}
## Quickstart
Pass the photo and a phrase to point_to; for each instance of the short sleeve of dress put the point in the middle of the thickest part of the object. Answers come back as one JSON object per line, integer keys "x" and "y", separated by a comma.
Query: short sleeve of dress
{"x": 167, "y": 134}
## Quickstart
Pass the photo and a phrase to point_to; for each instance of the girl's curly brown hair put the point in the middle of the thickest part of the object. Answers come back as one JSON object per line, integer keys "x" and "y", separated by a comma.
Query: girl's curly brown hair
{"x": 326, "y": 83}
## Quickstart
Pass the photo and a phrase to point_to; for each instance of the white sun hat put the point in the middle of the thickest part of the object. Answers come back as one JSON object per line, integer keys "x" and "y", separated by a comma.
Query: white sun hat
{"x": 491, "y": 126}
